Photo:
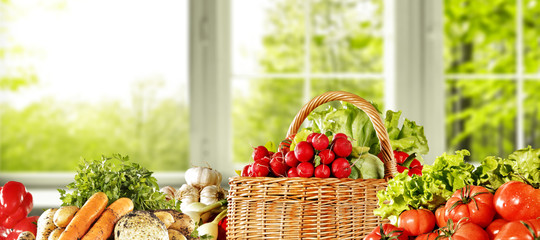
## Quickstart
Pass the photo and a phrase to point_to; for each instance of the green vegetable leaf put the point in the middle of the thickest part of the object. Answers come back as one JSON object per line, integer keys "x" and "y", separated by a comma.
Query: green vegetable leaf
{"x": 271, "y": 146}
{"x": 117, "y": 177}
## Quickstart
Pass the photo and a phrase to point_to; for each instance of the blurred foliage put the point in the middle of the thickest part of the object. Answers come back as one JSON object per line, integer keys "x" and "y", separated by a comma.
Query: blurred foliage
{"x": 480, "y": 38}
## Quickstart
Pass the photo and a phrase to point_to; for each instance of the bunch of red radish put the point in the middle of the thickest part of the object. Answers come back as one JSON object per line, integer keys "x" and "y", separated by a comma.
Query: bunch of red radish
{"x": 316, "y": 157}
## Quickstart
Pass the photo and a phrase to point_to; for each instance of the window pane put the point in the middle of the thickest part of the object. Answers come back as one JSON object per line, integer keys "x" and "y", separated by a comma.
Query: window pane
{"x": 480, "y": 36}
{"x": 531, "y": 26}
{"x": 369, "y": 89}
{"x": 81, "y": 80}
{"x": 262, "y": 109}
{"x": 267, "y": 36}
{"x": 481, "y": 117}
{"x": 346, "y": 36}
{"x": 532, "y": 113}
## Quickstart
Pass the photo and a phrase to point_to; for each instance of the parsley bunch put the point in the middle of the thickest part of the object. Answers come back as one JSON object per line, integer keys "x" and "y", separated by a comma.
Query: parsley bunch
{"x": 116, "y": 177}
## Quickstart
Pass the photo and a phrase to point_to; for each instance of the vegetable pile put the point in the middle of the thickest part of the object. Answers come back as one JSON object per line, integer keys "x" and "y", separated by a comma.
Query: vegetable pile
{"x": 498, "y": 199}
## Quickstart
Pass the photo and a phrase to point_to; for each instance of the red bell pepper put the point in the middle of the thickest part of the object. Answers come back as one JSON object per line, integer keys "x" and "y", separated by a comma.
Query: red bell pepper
{"x": 222, "y": 229}
{"x": 15, "y": 204}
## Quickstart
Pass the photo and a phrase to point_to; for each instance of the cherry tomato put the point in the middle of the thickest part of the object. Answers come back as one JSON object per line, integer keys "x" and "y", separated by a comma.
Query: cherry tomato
{"x": 518, "y": 230}
{"x": 387, "y": 231}
{"x": 475, "y": 203}
{"x": 417, "y": 221}
{"x": 517, "y": 201}
{"x": 494, "y": 228}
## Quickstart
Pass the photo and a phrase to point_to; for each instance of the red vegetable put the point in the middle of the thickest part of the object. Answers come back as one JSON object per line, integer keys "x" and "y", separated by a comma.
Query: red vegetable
{"x": 260, "y": 168}
{"x": 320, "y": 142}
{"x": 278, "y": 166}
{"x": 15, "y": 204}
{"x": 322, "y": 171}
{"x": 290, "y": 159}
{"x": 342, "y": 147}
{"x": 520, "y": 230}
{"x": 405, "y": 161}
{"x": 340, "y": 135}
{"x": 222, "y": 229}
{"x": 259, "y": 153}
{"x": 387, "y": 231}
{"x": 27, "y": 224}
{"x": 495, "y": 227}
{"x": 304, "y": 151}
{"x": 440, "y": 215}
{"x": 463, "y": 231}
{"x": 341, "y": 168}
{"x": 293, "y": 172}
{"x": 474, "y": 203}
{"x": 246, "y": 172}
{"x": 305, "y": 169}
{"x": 517, "y": 201}
{"x": 327, "y": 156}
{"x": 428, "y": 236}
{"x": 416, "y": 221}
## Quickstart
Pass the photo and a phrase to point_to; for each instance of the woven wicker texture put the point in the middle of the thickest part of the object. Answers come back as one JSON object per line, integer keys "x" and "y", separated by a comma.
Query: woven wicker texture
{"x": 309, "y": 208}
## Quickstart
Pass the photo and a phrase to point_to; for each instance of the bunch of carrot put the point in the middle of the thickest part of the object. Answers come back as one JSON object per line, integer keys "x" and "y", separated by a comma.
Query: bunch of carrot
{"x": 94, "y": 220}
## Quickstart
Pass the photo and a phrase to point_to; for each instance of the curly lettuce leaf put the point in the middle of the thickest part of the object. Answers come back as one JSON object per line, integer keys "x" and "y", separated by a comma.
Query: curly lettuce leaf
{"x": 437, "y": 183}
{"x": 526, "y": 163}
{"x": 494, "y": 172}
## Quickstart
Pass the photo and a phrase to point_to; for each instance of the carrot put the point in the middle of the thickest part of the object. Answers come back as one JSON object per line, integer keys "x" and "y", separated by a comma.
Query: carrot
{"x": 88, "y": 213}
{"x": 104, "y": 226}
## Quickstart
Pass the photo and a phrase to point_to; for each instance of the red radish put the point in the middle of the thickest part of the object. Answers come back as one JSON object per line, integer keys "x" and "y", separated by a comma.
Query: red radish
{"x": 305, "y": 169}
{"x": 310, "y": 137}
{"x": 259, "y": 153}
{"x": 322, "y": 171}
{"x": 340, "y": 135}
{"x": 341, "y": 168}
{"x": 278, "y": 166}
{"x": 293, "y": 172}
{"x": 320, "y": 142}
{"x": 290, "y": 159}
{"x": 246, "y": 172}
{"x": 260, "y": 168}
{"x": 342, "y": 147}
{"x": 304, "y": 151}
{"x": 327, "y": 156}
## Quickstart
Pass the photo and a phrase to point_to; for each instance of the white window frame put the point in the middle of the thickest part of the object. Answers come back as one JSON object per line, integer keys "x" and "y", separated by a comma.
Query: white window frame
{"x": 413, "y": 76}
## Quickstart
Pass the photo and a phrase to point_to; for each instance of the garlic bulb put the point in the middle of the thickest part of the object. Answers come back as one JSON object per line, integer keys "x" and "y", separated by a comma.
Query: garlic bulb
{"x": 211, "y": 194}
{"x": 187, "y": 194}
{"x": 202, "y": 176}
{"x": 170, "y": 192}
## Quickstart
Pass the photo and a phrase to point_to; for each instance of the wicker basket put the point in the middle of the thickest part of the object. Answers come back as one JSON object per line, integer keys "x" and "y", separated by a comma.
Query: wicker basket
{"x": 309, "y": 208}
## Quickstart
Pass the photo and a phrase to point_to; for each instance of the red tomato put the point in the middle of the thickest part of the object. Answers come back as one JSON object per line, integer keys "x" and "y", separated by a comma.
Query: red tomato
{"x": 440, "y": 216}
{"x": 388, "y": 230}
{"x": 428, "y": 236}
{"x": 472, "y": 202}
{"x": 464, "y": 231}
{"x": 517, "y": 201}
{"x": 415, "y": 222}
{"x": 517, "y": 230}
{"x": 494, "y": 228}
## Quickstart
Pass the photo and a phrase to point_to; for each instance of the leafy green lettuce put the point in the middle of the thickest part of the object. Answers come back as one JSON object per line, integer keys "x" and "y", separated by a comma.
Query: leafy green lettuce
{"x": 347, "y": 118}
{"x": 437, "y": 183}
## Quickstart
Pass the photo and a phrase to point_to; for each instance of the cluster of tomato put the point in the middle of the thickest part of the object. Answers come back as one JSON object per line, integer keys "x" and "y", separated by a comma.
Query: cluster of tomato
{"x": 513, "y": 212}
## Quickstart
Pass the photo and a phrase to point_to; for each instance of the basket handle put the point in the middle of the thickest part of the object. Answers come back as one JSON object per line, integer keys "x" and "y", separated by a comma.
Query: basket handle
{"x": 374, "y": 117}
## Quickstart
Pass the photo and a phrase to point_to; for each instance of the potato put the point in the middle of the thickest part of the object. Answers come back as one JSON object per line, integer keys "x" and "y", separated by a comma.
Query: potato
{"x": 26, "y": 236}
{"x": 182, "y": 222}
{"x": 175, "y": 235}
{"x": 45, "y": 224}
{"x": 140, "y": 225}
{"x": 55, "y": 234}
{"x": 165, "y": 217}
{"x": 63, "y": 216}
